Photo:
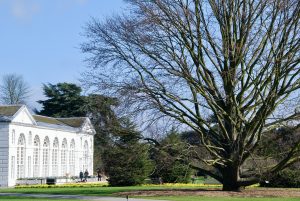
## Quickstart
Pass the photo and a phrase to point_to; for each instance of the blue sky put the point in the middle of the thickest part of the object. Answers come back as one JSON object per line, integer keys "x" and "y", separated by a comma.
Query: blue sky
{"x": 40, "y": 39}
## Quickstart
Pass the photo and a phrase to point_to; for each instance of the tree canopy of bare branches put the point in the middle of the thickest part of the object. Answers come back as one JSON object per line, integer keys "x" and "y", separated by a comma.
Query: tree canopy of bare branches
{"x": 13, "y": 90}
{"x": 236, "y": 60}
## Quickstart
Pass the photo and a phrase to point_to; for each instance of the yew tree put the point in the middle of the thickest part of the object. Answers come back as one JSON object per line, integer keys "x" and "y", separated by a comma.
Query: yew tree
{"x": 235, "y": 60}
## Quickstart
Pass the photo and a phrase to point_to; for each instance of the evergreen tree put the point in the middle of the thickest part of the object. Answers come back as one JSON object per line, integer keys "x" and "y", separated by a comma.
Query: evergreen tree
{"x": 63, "y": 100}
{"x": 99, "y": 109}
{"x": 127, "y": 160}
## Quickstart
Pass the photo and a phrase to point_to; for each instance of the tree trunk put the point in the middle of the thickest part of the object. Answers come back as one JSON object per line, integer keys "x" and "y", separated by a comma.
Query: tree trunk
{"x": 230, "y": 179}
{"x": 232, "y": 186}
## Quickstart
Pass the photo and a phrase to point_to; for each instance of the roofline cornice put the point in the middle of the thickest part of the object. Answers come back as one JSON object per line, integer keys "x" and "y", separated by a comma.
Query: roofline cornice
{"x": 47, "y": 128}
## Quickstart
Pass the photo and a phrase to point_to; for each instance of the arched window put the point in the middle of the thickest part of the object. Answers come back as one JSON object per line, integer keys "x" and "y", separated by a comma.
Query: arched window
{"x": 21, "y": 155}
{"x": 72, "y": 158}
{"x": 46, "y": 158}
{"x": 64, "y": 150}
{"x": 36, "y": 156}
{"x": 85, "y": 155}
{"x": 55, "y": 157}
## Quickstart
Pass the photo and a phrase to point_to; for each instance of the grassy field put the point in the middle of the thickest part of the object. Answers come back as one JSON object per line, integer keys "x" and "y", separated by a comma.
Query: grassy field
{"x": 109, "y": 191}
{"x": 198, "y": 198}
{"x": 93, "y": 191}
{"x": 14, "y": 198}
{"x": 170, "y": 198}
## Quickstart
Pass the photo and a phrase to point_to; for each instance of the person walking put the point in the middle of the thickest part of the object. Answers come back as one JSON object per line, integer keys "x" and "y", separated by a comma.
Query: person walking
{"x": 86, "y": 174}
{"x": 81, "y": 175}
{"x": 99, "y": 174}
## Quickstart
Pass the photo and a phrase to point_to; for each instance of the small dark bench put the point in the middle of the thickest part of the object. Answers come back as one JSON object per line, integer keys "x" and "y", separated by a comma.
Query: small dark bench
{"x": 50, "y": 181}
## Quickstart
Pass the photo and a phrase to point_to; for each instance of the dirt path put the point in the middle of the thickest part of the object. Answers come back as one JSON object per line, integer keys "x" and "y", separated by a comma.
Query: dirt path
{"x": 251, "y": 192}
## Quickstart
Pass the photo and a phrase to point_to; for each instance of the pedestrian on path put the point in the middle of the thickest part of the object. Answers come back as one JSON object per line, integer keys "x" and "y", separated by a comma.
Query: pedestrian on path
{"x": 86, "y": 174}
{"x": 99, "y": 174}
{"x": 81, "y": 175}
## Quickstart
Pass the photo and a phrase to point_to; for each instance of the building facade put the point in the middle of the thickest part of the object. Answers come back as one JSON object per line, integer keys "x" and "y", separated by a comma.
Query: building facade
{"x": 39, "y": 146}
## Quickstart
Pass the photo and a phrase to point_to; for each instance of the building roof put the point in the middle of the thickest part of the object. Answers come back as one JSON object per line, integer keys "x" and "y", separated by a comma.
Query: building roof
{"x": 7, "y": 113}
{"x": 47, "y": 120}
{"x": 9, "y": 110}
{"x": 57, "y": 123}
{"x": 73, "y": 121}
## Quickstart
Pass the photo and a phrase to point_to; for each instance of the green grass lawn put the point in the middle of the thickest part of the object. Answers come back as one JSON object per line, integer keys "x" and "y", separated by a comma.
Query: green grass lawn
{"x": 98, "y": 191}
{"x": 11, "y": 198}
{"x": 200, "y": 198}
{"x": 178, "y": 198}
{"x": 109, "y": 191}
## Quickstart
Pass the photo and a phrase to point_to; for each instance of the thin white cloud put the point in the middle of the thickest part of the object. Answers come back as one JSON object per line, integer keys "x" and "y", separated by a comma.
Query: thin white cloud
{"x": 24, "y": 9}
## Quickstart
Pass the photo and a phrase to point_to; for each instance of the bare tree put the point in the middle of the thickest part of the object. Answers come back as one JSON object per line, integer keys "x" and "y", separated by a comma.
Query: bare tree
{"x": 236, "y": 60}
{"x": 13, "y": 90}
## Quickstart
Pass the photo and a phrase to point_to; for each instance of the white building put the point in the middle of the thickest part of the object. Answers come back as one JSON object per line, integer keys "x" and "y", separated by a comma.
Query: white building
{"x": 39, "y": 146}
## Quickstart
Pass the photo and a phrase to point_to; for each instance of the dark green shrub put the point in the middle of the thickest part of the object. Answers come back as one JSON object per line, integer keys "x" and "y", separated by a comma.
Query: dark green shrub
{"x": 284, "y": 179}
{"x": 178, "y": 173}
{"x": 127, "y": 160}
{"x": 127, "y": 166}
{"x": 169, "y": 163}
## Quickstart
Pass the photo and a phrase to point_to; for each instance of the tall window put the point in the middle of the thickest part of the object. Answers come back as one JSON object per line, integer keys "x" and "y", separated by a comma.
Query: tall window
{"x": 13, "y": 163}
{"x": 64, "y": 149}
{"x": 21, "y": 157}
{"x": 36, "y": 156}
{"x": 85, "y": 155}
{"x": 91, "y": 145}
{"x": 29, "y": 166}
{"x": 13, "y": 136}
{"x": 30, "y": 138}
{"x": 72, "y": 158}
{"x": 46, "y": 150}
{"x": 55, "y": 157}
